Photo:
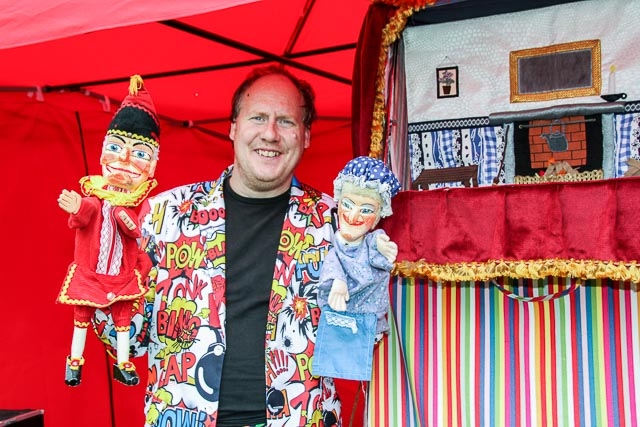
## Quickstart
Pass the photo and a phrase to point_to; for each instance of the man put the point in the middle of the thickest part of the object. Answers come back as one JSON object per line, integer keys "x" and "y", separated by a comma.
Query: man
{"x": 233, "y": 313}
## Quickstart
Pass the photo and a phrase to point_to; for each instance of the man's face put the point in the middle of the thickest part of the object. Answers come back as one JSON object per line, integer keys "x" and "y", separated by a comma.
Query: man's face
{"x": 127, "y": 162}
{"x": 269, "y": 137}
{"x": 358, "y": 213}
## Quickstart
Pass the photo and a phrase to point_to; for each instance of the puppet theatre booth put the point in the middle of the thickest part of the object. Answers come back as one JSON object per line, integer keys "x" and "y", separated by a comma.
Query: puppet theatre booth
{"x": 65, "y": 71}
{"x": 514, "y": 128}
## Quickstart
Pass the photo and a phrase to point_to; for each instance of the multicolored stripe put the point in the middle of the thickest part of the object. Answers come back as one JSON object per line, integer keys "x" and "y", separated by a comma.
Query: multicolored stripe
{"x": 477, "y": 354}
{"x": 389, "y": 398}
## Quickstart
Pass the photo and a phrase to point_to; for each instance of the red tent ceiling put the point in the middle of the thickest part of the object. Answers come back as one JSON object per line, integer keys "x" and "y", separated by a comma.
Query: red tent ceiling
{"x": 33, "y": 21}
{"x": 190, "y": 64}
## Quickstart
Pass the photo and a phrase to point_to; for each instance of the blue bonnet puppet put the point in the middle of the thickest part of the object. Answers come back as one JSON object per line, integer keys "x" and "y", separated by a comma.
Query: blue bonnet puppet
{"x": 353, "y": 292}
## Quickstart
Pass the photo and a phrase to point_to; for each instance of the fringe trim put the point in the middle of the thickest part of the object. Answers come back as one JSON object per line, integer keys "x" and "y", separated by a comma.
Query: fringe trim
{"x": 531, "y": 269}
{"x": 79, "y": 324}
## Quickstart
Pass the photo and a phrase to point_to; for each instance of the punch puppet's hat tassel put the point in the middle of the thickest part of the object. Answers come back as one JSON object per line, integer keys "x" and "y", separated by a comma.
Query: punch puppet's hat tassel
{"x": 136, "y": 118}
{"x": 135, "y": 84}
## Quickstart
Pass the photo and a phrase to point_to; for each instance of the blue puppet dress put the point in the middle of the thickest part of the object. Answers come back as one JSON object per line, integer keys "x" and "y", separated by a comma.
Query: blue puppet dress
{"x": 344, "y": 343}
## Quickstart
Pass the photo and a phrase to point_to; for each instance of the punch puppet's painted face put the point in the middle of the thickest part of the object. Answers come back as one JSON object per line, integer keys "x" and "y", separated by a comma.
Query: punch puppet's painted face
{"x": 127, "y": 162}
{"x": 358, "y": 214}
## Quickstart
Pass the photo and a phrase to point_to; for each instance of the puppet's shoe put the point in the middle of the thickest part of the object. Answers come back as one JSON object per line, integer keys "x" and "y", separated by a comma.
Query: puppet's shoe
{"x": 73, "y": 373}
{"x": 125, "y": 372}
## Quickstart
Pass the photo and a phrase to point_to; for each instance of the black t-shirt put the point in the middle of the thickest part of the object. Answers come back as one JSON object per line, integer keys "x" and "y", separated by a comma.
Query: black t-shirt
{"x": 253, "y": 228}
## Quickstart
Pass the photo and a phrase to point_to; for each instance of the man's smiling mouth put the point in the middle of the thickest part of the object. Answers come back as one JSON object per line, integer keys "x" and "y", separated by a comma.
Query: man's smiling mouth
{"x": 268, "y": 153}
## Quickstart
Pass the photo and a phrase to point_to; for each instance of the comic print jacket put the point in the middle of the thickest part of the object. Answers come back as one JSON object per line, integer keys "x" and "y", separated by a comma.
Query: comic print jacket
{"x": 184, "y": 233}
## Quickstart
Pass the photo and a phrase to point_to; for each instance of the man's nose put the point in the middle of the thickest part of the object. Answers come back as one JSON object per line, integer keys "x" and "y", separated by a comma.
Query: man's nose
{"x": 271, "y": 130}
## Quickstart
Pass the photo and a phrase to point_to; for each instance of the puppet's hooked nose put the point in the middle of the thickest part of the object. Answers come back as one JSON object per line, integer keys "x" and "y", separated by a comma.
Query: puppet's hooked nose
{"x": 125, "y": 154}
{"x": 353, "y": 215}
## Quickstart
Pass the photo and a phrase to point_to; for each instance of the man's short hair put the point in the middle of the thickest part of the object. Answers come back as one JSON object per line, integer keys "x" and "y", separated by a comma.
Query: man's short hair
{"x": 304, "y": 88}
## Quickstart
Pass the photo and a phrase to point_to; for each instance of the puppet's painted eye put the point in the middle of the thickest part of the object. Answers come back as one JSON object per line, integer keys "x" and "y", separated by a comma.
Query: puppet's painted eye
{"x": 113, "y": 147}
{"x": 140, "y": 154}
{"x": 367, "y": 210}
{"x": 346, "y": 204}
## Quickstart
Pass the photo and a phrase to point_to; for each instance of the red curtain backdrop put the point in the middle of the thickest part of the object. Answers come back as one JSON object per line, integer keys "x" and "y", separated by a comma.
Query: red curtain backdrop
{"x": 365, "y": 74}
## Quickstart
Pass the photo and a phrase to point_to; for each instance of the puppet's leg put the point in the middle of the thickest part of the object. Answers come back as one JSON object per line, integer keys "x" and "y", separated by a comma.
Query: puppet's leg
{"x": 124, "y": 371}
{"x": 75, "y": 361}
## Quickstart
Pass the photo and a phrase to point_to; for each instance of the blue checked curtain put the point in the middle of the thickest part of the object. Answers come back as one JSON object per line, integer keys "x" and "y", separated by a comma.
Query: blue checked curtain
{"x": 627, "y": 137}
{"x": 483, "y": 146}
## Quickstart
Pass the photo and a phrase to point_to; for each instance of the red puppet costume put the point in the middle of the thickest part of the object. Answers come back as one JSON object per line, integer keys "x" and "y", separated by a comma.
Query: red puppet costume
{"x": 109, "y": 269}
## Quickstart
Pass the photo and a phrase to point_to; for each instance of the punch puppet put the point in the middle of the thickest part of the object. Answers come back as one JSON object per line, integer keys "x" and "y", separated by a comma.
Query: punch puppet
{"x": 109, "y": 270}
{"x": 353, "y": 292}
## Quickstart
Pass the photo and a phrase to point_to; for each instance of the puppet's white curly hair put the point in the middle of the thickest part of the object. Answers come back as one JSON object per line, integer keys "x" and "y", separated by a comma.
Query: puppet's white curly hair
{"x": 369, "y": 173}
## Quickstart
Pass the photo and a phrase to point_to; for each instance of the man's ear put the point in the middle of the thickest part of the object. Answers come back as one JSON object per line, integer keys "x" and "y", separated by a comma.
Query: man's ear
{"x": 307, "y": 138}
{"x": 232, "y": 131}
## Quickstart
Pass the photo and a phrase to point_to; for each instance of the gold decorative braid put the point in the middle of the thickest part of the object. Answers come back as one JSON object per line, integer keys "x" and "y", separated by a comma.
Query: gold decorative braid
{"x": 390, "y": 34}
{"x": 133, "y": 136}
{"x": 531, "y": 269}
{"x": 569, "y": 177}
{"x": 79, "y": 324}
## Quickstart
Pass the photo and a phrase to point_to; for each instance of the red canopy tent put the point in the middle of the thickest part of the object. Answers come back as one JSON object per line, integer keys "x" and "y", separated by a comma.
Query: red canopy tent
{"x": 65, "y": 69}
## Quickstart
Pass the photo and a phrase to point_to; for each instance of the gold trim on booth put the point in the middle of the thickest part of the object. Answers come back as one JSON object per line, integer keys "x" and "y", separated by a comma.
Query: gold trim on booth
{"x": 524, "y": 269}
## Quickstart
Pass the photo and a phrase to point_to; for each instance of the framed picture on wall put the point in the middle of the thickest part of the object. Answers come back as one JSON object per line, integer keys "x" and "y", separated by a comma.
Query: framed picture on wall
{"x": 566, "y": 70}
{"x": 447, "y": 82}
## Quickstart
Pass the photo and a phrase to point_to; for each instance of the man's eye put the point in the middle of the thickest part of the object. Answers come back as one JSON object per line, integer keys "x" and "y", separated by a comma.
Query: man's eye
{"x": 286, "y": 122}
{"x": 366, "y": 211}
{"x": 347, "y": 204}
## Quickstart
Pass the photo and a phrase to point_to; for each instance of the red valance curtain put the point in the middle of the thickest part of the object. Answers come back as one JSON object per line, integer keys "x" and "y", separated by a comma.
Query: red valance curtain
{"x": 365, "y": 75}
{"x": 585, "y": 229}
{"x": 381, "y": 27}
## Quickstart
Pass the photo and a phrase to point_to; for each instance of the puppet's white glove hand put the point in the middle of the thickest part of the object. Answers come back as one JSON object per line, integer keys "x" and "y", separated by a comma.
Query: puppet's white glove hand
{"x": 126, "y": 219}
{"x": 386, "y": 247}
{"x": 338, "y": 295}
{"x": 69, "y": 201}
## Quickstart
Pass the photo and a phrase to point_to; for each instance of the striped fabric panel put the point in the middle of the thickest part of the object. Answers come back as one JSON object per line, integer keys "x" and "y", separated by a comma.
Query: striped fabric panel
{"x": 389, "y": 398}
{"x": 476, "y": 357}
